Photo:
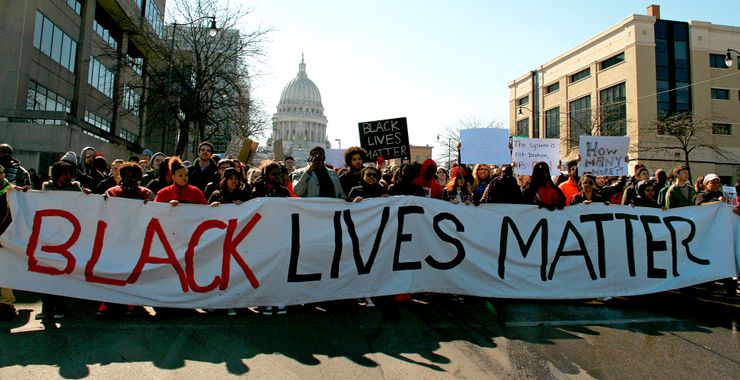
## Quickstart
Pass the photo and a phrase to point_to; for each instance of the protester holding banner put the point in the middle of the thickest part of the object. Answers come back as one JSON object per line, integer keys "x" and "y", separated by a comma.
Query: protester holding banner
{"x": 712, "y": 191}
{"x": 315, "y": 180}
{"x": 353, "y": 157}
{"x": 180, "y": 191}
{"x": 542, "y": 191}
{"x": 164, "y": 177}
{"x": 457, "y": 190}
{"x": 231, "y": 189}
{"x": 61, "y": 180}
{"x": 220, "y": 167}
{"x": 503, "y": 188}
{"x": 369, "y": 188}
{"x": 130, "y": 175}
{"x": 404, "y": 181}
{"x": 427, "y": 179}
{"x": 270, "y": 183}
{"x": 630, "y": 189}
{"x": 482, "y": 176}
{"x": 681, "y": 193}
{"x": 646, "y": 194}
{"x": 587, "y": 193}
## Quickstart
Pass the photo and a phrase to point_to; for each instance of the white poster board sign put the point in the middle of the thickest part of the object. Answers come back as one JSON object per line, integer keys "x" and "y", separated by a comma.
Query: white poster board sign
{"x": 527, "y": 152}
{"x": 485, "y": 146}
{"x": 335, "y": 157}
{"x": 604, "y": 155}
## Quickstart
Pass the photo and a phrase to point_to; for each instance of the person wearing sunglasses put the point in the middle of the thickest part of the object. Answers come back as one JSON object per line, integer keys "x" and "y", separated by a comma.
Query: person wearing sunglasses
{"x": 370, "y": 186}
{"x": 587, "y": 193}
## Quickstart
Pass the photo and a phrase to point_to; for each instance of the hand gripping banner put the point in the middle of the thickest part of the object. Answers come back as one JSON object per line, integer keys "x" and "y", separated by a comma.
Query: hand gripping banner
{"x": 272, "y": 251}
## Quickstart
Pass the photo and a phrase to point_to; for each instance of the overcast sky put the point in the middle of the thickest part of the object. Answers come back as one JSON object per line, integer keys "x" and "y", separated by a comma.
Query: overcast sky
{"x": 433, "y": 61}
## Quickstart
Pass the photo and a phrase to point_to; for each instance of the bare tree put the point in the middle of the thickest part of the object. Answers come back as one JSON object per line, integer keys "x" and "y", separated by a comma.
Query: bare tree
{"x": 201, "y": 86}
{"x": 448, "y": 142}
{"x": 688, "y": 134}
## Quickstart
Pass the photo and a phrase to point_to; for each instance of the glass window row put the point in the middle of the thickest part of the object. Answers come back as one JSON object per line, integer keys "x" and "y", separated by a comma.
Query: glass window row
{"x": 97, "y": 121}
{"x": 100, "y": 77}
{"x": 52, "y": 41}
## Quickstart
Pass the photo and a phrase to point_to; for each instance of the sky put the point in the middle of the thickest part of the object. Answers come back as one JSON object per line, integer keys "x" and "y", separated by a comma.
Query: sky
{"x": 435, "y": 62}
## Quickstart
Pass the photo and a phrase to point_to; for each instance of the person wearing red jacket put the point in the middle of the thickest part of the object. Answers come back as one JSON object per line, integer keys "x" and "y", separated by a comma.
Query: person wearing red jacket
{"x": 570, "y": 187}
{"x": 180, "y": 191}
{"x": 428, "y": 179}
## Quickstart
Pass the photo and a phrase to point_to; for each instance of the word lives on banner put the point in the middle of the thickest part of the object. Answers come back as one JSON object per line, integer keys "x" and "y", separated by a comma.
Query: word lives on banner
{"x": 272, "y": 251}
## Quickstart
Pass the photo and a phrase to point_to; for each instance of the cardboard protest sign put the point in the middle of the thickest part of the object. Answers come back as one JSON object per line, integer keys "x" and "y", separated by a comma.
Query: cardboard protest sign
{"x": 485, "y": 146}
{"x": 335, "y": 157}
{"x": 527, "y": 152}
{"x": 604, "y": 155}
{"x": 388, "y": 138}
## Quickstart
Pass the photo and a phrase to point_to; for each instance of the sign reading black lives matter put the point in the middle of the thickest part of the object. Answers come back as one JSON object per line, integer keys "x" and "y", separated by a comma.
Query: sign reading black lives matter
{"x": 387, "y": 138}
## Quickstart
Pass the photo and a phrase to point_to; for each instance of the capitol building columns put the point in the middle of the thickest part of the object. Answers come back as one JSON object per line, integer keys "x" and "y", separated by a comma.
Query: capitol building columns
{"x": 299, "y": 123}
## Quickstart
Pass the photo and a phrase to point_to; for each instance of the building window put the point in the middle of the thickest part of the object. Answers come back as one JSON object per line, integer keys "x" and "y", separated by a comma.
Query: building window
{"x": 613, "y": 114}
{"x": 42, "y": 99}
{"x": 552, "y": 123}
{"x": 105, "y": 34}
{"x": 721, "y": 129}
{"x": 100, "y": 77}
{"x": 672, "y": 67}
{"x": 154, "y": 16}
{"x": 579, "y": 115}
{"x": 523, "y": 101}
{"x": 721, "y": 94}
{"x": 131, "y": 100}
{"x": 52, "y": 41}
{"x": 75, "y": 5}
{"x": 97, "y": 121}
{"x": 522, "y": 127}
{"x": 717, "y": 61}
{"x": 580, "y": 75}
{"x": 609, "y": 62}
{"x": 552, "y": 88}
{"x": 130, "y": 136}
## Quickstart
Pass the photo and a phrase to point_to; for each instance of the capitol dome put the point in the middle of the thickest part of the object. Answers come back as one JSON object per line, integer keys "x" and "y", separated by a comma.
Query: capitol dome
{"x": 299, "y": 123}
{"x": 301, "y": 90}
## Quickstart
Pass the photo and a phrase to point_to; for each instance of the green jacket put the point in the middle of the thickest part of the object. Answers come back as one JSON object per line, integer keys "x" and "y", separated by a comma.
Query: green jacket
{"x": 674, "y": 198}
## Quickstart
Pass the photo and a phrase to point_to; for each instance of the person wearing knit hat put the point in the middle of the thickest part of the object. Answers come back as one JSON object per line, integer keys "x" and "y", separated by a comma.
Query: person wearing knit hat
{"x": 153, "y": 172}
{"x": 70, "y": 157}
{"x": 146, "y": 154}
{"x": 712, "y": 191}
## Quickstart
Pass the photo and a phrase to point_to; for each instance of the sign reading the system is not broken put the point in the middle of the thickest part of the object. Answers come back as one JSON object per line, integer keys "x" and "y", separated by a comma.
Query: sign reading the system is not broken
{"x": 388, "y": 138}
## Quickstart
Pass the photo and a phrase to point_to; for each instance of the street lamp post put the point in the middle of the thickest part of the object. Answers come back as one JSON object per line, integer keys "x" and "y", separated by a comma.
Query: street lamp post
{"x": 212, "y": 30}
{"x": 728, "y": 57}
{"x": 339, "y": 143}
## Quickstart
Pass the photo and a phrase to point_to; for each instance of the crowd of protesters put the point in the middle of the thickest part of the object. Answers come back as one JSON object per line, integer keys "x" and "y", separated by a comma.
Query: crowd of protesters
{"x": 212, "y": 180}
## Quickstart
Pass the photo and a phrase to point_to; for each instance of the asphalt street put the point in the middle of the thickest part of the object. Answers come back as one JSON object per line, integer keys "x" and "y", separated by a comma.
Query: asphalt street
{"x": 664, "y": 336}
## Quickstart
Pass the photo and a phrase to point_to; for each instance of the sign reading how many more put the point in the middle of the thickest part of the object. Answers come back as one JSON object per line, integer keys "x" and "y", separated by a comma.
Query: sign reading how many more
{"x": 387, "y": 138}
{"x": 604, "y": 155}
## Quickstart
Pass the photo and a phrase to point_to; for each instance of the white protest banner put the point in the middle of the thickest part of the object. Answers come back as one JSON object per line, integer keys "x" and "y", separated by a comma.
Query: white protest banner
{"x": 335, "y": 157}
{"x": 282, "y": 251}
{"x": 604, "y": 155}
{"x": 528, "y": 152}
{"x": 485, "y": 146}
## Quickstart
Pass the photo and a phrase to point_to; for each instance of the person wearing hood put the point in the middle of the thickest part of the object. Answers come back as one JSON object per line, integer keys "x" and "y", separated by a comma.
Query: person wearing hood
{"x": 163, "y": 179}
{"x": 153, "y": 172}
{"x": 503, "y": 188}
{"x": 427, "y": 179}
{"x": 87, "y": 160}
